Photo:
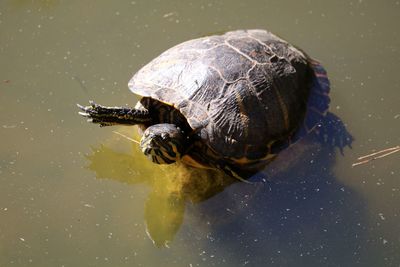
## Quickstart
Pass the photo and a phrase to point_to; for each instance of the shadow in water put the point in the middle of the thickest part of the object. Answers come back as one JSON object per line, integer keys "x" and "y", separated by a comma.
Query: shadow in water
{"x": 303, "y": 217}
{"x": 295, "y": 211}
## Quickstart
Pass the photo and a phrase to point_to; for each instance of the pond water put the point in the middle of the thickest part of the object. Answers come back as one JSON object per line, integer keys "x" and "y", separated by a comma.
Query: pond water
{"x": 73, "y": 194}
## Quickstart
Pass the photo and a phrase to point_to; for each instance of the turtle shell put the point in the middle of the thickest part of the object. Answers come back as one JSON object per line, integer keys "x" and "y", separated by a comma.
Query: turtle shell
{"x": 240, "y": 91}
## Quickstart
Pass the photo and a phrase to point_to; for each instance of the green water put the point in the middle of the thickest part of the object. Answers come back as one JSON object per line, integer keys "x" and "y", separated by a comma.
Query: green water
{"x": 73, "y": 194}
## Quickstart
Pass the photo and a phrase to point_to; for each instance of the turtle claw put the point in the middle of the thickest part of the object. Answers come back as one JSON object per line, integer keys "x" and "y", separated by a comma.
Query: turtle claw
{"x": 84, "y": 114}
{"x": 91, "y": 112}
{"x": 92, "y": 105}
{"x": 95, "y": 113}
{"x": 85, "y": 109}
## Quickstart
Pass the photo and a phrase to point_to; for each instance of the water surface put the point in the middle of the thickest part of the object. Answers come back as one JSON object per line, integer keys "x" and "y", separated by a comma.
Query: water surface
{"x": 75, "y": 195}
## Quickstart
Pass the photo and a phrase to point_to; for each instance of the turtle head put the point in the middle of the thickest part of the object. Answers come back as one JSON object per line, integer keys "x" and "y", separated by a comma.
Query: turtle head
{"x": 163, "y": 143}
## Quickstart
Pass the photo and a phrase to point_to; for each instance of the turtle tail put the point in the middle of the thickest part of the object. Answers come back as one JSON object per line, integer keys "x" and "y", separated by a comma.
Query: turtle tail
{"x": 326, "y": 126}
{"x": 107, "y": 116}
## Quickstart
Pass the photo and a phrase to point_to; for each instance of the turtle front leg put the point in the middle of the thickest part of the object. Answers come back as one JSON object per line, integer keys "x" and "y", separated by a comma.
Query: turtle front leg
{"x": 107, "y": 116}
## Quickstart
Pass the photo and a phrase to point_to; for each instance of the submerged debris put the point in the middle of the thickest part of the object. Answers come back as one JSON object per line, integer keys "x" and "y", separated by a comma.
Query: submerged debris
{"x": 376, "y": 155}
{"x": 126, "y": 137}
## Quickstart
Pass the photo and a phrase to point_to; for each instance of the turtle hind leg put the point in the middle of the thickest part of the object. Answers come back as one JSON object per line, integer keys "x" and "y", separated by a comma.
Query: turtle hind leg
{"x": 107, "y": 116}
{"x": 332, "y": 131}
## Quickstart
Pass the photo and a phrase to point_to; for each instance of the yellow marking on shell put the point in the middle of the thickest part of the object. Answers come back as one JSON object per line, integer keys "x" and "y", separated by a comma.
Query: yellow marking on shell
{"x": 244, "y": 160}
{"x": 283, "y": 108}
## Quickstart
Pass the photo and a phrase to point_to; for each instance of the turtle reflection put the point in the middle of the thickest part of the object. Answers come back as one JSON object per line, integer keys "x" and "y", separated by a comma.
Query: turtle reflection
{"x": 171, "y": 186}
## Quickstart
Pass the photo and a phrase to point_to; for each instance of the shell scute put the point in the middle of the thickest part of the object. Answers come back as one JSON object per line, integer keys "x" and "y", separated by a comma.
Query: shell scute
{"x": 228, "y": 63}
{"x": 251, "y": 48}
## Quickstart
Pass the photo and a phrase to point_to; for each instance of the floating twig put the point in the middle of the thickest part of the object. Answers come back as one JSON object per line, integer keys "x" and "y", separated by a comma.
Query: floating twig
{"x": 376, "y": 155}
{"x": 127, "y": 137}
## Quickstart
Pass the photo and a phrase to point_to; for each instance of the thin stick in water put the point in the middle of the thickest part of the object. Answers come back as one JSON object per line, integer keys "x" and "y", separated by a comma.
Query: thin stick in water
{"x": 376, "y": 155}
{"x": 379, "y": 152}
{"x": 126, "y": 137}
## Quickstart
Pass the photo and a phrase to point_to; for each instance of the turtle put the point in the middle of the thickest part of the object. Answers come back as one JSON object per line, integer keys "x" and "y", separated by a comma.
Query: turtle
{"x": 230, "y": 102}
